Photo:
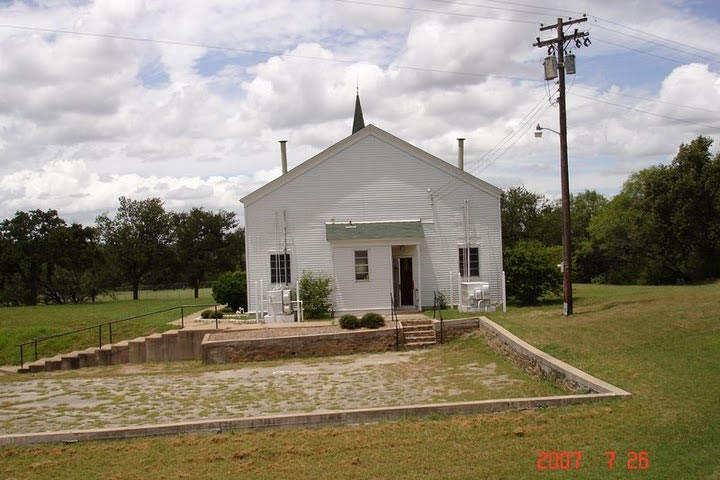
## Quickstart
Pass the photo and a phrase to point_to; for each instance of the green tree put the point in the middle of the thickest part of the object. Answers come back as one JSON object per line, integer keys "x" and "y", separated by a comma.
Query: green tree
{"x": 29, "y": 247}
{"x": 138, "y": 239}
{"x": 664, "y": 225}
{"x": 231, "y": 288}
{"x": 531, "y": 271}
{"x": 526, "y": 215}
{"x": 202, "y": 241}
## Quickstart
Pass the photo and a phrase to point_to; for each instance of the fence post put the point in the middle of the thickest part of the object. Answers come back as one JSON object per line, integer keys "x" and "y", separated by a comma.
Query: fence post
{"x": 504, "y": 297}
{"x": 35, "y": 339}
{"x": 110, "y": 327}
{"x": 182, "y": 318}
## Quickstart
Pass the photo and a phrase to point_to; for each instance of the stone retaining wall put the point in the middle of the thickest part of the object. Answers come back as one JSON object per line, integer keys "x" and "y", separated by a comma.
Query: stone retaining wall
{"x": 456, "y": 328}
{"x": 536, "y": 362}
{"x": 257, "y": 349}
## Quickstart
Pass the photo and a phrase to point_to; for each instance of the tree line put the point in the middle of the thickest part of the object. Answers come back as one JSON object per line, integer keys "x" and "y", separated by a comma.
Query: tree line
{"x": 45, "y": 259}
{"x": 663, "y": 227}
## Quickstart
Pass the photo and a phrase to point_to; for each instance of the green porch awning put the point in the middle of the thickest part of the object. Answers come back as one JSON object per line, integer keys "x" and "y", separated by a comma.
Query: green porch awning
{"x": 373, "y": 230}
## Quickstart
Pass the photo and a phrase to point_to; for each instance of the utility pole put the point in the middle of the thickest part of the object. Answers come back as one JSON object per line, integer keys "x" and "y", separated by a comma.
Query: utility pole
{"x": 558, "y": 45}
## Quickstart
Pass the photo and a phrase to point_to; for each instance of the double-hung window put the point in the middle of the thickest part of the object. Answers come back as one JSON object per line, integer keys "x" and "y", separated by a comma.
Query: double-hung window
{"x": 474, "y": 256}
{"x": 280, "y": 268}
{"x": 362, "y": 265}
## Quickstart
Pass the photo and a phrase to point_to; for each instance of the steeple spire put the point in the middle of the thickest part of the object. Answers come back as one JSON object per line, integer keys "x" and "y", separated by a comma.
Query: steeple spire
{"x": 358, "y": 121}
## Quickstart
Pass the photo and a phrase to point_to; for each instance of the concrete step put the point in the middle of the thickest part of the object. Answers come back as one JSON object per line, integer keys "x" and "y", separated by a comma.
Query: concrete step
{"x": 36, "y": 366}
{"x": 87, "y": 357}
{"x": 417, "y": 328}
{"x": 119, "y": 353}
{"x": 419, "y": 344}
{"x": 136, "y": 350}
{"x": 53, "y": 363}
{"x": 104, "y": 355}
{"x": 416, "y": 321}
{"x": 420, "y": 336}
{"x": 70, "y": 361}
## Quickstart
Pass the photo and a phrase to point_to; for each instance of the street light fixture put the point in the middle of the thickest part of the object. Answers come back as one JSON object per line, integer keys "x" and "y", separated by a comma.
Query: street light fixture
{"x": 539, "y": 129}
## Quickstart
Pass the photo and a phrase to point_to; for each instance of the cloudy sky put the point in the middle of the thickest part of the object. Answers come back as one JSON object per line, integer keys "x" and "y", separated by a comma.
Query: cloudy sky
{"x": 186, "y": 100}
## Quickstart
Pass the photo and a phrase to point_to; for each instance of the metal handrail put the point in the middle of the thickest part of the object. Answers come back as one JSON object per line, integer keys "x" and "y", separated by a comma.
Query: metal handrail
{"x": 109, "y": 324}
{"x": 394, "y": 317}
{"x": 438, "y": 307}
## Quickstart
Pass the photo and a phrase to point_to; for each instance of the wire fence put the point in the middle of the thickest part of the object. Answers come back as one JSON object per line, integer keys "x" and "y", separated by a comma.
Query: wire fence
{"x": 176, "y": 291}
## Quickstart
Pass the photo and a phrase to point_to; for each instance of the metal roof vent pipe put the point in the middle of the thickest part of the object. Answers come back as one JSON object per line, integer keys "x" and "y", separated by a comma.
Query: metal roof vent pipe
{"x": 283, "y": 155}
{"x": 461, "y": 153}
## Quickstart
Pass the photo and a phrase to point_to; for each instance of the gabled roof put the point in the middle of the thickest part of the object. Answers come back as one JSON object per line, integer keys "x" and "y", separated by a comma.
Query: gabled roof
{"x": 369, "y": 130}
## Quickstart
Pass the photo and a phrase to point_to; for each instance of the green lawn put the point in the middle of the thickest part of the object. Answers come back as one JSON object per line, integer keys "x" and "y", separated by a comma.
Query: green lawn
{"x": 21, "y": 324}
{"x": 660, "y": 343}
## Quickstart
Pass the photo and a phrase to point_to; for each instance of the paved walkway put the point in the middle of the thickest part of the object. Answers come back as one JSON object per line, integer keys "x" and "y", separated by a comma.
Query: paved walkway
{"x": 179, "y": 391}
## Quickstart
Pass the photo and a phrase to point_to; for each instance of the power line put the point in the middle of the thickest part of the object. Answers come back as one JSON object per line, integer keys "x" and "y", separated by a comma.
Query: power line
{"x": 711, "y": 127}
{"x": 648, "y": 99}
{"x": 644, "y": 52}
{"x": 529, "y": 117}
{"x": 667, "y": 39}
{"x": 263, "y": 52}
{"x": 449, "y": 2}
{"x": 422, "y": 10}
{"x": 715, "y": 60}
{"x": 540, "y": 7}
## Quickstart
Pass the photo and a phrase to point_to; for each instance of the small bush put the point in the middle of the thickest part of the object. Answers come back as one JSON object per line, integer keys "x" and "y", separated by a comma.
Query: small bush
{"x": 349, "y": 322}
{"x": 227, "y": 310}
{"x": 211, "y": 314}
{"x": 315, "y": 293}
{"x": 372, "y": 320}
{"x": 231, "y": 288}
{"x": 442, "y": 303}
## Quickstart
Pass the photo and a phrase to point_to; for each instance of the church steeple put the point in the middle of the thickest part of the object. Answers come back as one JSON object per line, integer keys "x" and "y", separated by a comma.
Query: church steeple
{"x": 358, "y": 121}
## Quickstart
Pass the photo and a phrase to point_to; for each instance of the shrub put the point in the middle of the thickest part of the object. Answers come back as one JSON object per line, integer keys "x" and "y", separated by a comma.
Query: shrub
{"x": 531, "y": 271}
{"x": 227, "y": 310}
{"x": 315, "y": 293}
{"x": 231, "y": 288}
{"x": 441, "y": 300}
{"x": 372, "y": 320}
{"x": 211, "y": 314}
{"x": 349, "y": 322}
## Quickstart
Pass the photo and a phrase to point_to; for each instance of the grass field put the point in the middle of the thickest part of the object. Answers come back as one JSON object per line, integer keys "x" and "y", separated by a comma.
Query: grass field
{"x": 660, "y": 343}
{"x": 21, "y": 324}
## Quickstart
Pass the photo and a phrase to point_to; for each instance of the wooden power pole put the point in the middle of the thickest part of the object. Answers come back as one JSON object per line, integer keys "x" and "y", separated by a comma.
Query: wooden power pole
{"x": 558, "y": 45}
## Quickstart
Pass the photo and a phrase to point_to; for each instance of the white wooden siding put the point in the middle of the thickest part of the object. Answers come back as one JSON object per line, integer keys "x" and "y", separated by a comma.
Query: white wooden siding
{"x": 373, "y": 294}
{"x": 373, "y": 180}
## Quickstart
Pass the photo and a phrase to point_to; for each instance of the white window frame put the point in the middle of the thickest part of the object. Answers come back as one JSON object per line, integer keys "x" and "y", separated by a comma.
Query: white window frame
{"x": 280, "y": 272}
{"x": 366, "y": 273}
{"x": 461, "y": 262}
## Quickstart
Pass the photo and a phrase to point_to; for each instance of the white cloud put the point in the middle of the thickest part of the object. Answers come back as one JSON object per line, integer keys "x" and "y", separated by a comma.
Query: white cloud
{"x": 79, "y": 127}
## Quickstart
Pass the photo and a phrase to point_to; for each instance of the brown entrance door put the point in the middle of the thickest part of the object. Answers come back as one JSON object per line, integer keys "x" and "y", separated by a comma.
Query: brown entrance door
{"x": 407, "y": 286}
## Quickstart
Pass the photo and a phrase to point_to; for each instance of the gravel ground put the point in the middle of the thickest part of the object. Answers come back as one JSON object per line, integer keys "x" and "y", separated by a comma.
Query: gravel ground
{"x": 147, "y": 394}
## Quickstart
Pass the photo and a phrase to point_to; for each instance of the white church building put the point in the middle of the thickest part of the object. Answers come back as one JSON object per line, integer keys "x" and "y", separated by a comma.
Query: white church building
{"x": 381, "y": 217}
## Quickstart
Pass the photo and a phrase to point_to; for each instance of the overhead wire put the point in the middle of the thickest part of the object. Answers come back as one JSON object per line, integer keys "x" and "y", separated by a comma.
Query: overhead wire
{"x": 664, "y": 45}
{"x": 265, "y": 53}
{"x": 490, "y": 155}
{"x": 423, "y": 10}
{"x": 627, "y": 107}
